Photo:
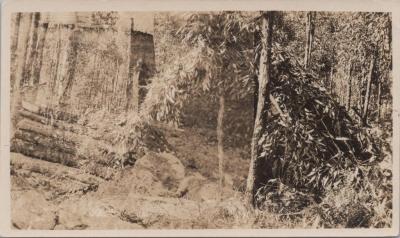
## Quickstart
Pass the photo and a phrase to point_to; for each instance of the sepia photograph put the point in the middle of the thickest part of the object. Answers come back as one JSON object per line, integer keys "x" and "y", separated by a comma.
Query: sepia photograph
{"x": 196, "y": 120}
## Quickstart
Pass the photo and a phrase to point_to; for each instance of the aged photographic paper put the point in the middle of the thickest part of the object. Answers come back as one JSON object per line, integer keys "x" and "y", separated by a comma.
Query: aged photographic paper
{"x": 203, "y": 120}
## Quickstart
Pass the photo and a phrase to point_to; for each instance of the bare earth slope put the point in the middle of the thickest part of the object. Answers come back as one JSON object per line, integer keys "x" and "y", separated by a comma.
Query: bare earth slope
{"x": 177, "y": 189}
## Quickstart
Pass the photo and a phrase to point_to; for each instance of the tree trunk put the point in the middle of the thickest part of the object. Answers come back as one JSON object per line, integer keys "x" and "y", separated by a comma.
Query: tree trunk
{"x": 51, "y": 136}
{"x": 67, "y": 68}
{"x": 58, "y": 144}
{"x": 310, "y": 29}
{"x": 15, "y": 29}
{"x": 331, "y": 80}
{"x": 65, "y": 126}
{"x": 257, "y": 41}
{"x": 43, "y": 152}
{"x": 71, "y": 65}
{"x": 253, "y": 179}
{"x": 14, "y": 44}
{"x": 93, "y": 76}
{"x": 115, "y": 85}
{"x": 379, "y": 100}
{"x": 28, "y": 50}
{"x": 40, "y": 48}
{"x": 386, "y": 109}
{"x": 220, "y": 139}
{"x": 62, "y": 125}
{"x": 23, "y": 37}
{"x": 50, "y": 113}
{"x": 32, "y": 49}
{"x": 368, "y": 92}
{"x": 50, "y": 131}
{"x": 54, "y": 171}
{"x": 57, "y": 51}
{"x": 360, "y": 101}
{"x": 348, "y": 97}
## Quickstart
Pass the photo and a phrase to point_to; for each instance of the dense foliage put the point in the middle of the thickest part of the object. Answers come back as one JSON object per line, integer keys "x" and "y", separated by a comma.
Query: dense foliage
{"x": 312, "y": 143}
{"x": 324, "y": 149}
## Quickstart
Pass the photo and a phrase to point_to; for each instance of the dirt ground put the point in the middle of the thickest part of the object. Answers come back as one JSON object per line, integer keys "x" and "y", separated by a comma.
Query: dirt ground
{"x": 162, "y": 190}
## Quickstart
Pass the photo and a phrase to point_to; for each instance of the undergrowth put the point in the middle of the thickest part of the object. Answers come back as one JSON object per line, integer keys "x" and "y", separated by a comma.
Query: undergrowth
{"x": 120, "y": 139}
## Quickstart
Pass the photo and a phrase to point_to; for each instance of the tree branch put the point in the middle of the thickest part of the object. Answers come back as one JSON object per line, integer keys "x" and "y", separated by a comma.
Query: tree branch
{"x": 284, "y": 116}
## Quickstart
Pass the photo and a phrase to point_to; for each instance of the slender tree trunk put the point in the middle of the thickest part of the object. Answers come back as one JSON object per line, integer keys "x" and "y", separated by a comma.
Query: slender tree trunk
{"x": 220, "y": 139}
{"x": 63, "y": 79}
{"x": 310, "y": 29}
{"x": 114, "y": 83}
{"x": 386, "y": 108}
{"x": 72, "y": 60}
{"x": 29, "y": 47}
{"x": 257, "y": 41}
{"x": 14, "y": 45}
{"x": 343, "y": 96}
{"x": 57, "y": 63}
{"x": 23, "y": 38}
{"x": 348, "y": 97}
{"x": 368, "y": 92}
{"x": 379, "y": 100}
{"x": 92, "y": 78}
{"x": 39, "y": 61}
{"x": 331, "y": 80}
{"x": 33, "y": 49}
{"x": 15, "y": 29}
{"x": 253, "y": 179}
